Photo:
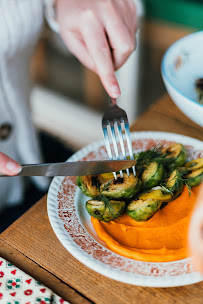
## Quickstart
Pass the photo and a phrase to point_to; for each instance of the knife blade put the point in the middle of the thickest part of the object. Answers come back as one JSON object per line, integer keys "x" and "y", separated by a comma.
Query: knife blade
{"x": 75, "y": 168}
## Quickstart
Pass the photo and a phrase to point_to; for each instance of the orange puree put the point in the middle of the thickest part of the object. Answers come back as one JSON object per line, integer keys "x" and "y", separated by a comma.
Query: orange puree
{"x": 162, "y": 238}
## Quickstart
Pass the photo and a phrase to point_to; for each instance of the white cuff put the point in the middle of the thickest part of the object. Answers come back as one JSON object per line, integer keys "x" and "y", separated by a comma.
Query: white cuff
{"x": 50, "y": 15}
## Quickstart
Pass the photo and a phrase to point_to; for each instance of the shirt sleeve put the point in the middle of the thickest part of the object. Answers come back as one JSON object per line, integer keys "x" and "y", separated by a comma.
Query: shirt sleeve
{"x": 50, "y": 15}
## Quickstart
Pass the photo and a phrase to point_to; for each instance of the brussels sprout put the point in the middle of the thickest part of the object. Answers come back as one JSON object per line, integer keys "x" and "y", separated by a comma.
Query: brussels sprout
{"x": 89, "y": 185}
{"x": 156, "y": 194}
{"x": 177, "y": 152}
{"x": 152, "y": 175}
{"x": 113, "y": 210}
{"x": 174, "y": 183}
{"x": 122, "y": 187}
{"x": 195, "y": 164}
{"x": 142, "y": 210}
{"x": 195, "y": 177}
{"x": 105, "y": 211}
{"x": 96, "y": 208}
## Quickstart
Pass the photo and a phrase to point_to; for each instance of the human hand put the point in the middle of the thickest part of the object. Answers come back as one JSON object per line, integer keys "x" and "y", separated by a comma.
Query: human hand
{"x": 196, "y": 235}
{"x": 8, "y": 166}
{"x": 100, "y": 33}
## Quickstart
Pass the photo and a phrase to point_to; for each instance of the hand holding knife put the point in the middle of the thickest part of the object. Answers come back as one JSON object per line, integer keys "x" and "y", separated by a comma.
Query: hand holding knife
{"x": 75, "y": 168}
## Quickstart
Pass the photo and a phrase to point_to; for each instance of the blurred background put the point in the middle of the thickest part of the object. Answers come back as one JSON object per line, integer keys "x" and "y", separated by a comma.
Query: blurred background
{"x": 68, "y": 101}
{"x": 67, "y": 96}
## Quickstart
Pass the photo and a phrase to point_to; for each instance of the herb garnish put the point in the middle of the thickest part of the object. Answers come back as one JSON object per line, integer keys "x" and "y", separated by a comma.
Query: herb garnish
{"x": 179, "y": 178}
{"x": 144, "y": 158}
{"x": 104, "y": 199}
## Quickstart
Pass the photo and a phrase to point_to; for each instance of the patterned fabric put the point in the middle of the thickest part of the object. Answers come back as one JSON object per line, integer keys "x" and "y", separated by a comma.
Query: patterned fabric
{"x": 16, "y": 287}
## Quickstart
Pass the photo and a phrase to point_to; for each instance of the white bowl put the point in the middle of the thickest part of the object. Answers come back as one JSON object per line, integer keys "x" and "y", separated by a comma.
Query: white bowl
{"x": 181, "y": 66}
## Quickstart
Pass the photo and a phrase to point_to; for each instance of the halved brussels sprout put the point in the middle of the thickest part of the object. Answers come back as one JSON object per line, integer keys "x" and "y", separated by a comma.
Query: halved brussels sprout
{"x": 152, "y": 175}
{"x": 103, "y": 211}
{"x": 194, "y": 178}
{"x": 174, "y": 183}
{"x": 195, "y": 164}
{"x": 122, "y": 187}
{"x": 177, "y": 152}
{"x": 89, "y": 185}
{"x": 157, "y": 194}
{"x": 142, "y": 210}
{"x": 96, "y": 208}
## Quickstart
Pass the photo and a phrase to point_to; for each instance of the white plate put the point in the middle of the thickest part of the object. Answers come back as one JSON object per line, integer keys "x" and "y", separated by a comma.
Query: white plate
{"x": 72, "y": 225}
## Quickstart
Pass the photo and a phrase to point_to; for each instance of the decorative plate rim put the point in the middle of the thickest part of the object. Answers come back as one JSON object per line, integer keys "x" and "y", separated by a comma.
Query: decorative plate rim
{"x": 98, "y": 266}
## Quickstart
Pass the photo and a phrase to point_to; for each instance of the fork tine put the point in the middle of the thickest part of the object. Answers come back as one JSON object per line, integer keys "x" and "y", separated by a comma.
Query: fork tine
{"x": 116, "y": 129}
{"x": 129, "y": 142}
{"x": 113, "y": 136}
{"x": 108, "y": 146}
{"x": 121, "y": 140}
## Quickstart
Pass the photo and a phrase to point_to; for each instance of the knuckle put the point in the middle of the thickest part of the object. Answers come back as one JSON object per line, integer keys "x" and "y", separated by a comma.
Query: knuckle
{"x": 104, "y": 52}
{"x": 107, "y": 2}
{"x": 128, "y": 48}
{"x": 88, "y": 15}
{"x": 132, "y": 5}
{"x": 108, "y": 78}
{"x": 109, "y": 6}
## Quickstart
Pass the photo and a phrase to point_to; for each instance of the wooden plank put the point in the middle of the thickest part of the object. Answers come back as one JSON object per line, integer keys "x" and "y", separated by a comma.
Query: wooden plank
{"x": 165, "y": 116}
{"x": 31, "y": 241}
{"x": 167, "y": 107}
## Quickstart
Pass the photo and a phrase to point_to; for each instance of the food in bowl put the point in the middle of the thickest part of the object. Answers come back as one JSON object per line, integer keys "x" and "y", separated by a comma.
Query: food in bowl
{"x": 150, "y": 222}
{"x": 199, "y": 89}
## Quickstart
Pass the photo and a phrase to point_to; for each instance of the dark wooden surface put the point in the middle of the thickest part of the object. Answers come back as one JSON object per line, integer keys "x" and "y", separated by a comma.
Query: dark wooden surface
{"x": 165, "y": 116}
{"x": 31, "y": 244}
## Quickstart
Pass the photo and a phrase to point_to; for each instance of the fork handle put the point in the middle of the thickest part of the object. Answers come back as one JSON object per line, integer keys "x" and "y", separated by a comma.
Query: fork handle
{"x": 112, "y": 101}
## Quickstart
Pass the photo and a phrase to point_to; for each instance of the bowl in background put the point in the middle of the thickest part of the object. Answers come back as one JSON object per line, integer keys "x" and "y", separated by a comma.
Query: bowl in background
{"x": 181, "y": 66}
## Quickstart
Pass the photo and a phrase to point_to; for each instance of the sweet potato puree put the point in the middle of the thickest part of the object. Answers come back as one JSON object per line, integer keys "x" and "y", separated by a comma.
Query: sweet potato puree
{"x": 162, "y": 238}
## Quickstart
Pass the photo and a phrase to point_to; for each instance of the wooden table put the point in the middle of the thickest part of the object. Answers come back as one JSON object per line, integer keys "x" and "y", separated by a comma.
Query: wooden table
{"x": 31, "y": 244}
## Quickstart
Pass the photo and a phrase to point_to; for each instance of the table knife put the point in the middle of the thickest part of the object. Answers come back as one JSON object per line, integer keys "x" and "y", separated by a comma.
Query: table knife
{"x": 75, "y": 168}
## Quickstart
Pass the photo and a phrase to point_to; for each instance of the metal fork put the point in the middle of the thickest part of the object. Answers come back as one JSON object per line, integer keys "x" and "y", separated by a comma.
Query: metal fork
{"x": 116, "y": 130}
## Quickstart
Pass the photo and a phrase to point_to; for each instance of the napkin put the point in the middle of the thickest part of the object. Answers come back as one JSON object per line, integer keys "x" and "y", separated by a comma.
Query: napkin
{"x": 16, "y": 287}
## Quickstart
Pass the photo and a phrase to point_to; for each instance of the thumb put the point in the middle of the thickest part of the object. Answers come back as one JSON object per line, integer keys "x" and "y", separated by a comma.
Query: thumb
{"x": 8, "y": 166}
